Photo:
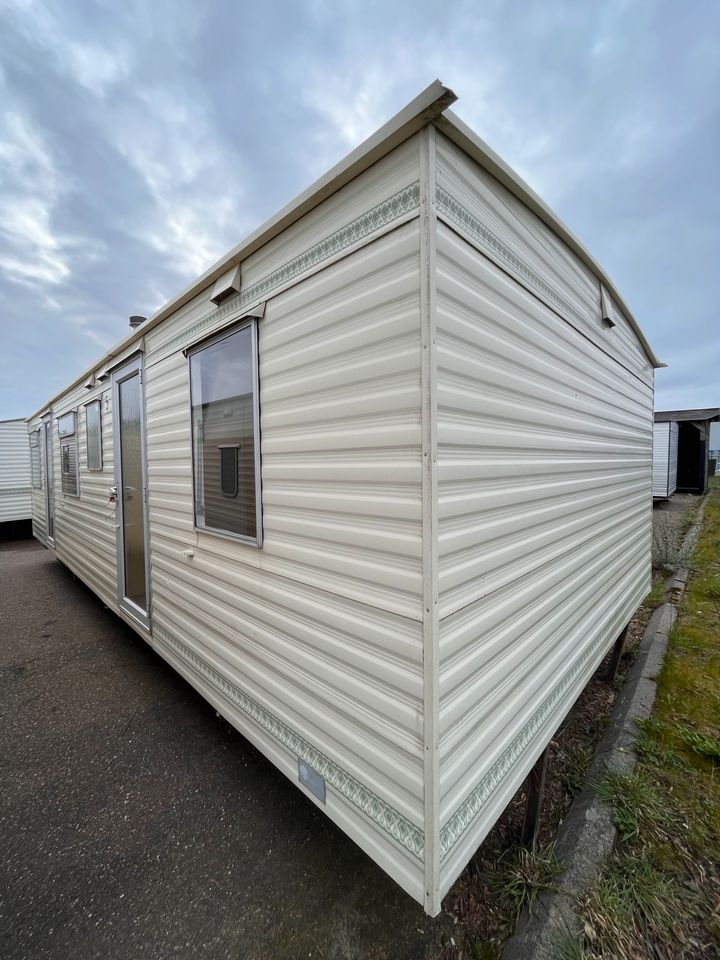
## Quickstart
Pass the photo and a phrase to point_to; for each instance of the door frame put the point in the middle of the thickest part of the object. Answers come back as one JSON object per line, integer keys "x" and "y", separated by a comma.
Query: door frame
{"x": 49, "y": 462}
{"x": 125, "y": 371}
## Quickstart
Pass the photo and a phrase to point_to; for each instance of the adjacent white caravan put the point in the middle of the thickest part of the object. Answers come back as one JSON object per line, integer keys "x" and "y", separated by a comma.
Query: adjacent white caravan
{"x": 378, "y": 485}
{"x": 665, "y": 460}
{"x": 15, "y": 483}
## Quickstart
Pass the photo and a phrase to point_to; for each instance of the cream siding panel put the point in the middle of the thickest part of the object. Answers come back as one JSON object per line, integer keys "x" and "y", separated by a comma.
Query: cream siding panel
{"x": 321, "y": 628}
{"x": 665, "y": 449}
{"x": 514, "y": 237}
{"x": 544, "y": 465}
{"x": 85, "y": 536}
{"x": 15, "y": 487}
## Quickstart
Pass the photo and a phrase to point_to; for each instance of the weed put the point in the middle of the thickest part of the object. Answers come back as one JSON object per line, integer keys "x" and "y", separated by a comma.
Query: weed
{"x": 652, "y": 753}
{"x": 574, "y": 764}
{"x": 701, "y": 743}
{"x": 637, "y": 805}
{"x": 570, "y": 948}
{"x": 634, "y": 905}
{"x": 523, "y": 874}
{"x": 650, "y": 724}
{"x": 657, "y": 594}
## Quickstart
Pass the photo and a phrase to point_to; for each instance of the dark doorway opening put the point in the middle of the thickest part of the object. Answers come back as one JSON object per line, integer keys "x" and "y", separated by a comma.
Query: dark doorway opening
{"x": 692, "y": 459}
{"x": 16, "y": 530}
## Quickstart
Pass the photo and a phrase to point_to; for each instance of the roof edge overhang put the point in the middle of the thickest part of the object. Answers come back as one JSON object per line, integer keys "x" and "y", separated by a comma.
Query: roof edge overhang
{"x": 423, "y": 110}
{"x": 692, "y": 415}
{"x": 430, "y": 106}
{"x": 465, "y": 138}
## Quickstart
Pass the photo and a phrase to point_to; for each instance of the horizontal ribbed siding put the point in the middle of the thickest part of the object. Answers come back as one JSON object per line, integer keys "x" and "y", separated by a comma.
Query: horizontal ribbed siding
{"x": 665, "y": 450}
{"x": 544, "y": 463}
{"x": 561, "y": 276}
{"x": 322, "y": 627}
{"x": 15, "y": 489}
{"x": 85, "y": 525}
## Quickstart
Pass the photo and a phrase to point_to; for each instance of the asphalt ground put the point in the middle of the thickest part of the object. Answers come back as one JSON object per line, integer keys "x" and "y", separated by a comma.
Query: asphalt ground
{"x": 136, "y": 823}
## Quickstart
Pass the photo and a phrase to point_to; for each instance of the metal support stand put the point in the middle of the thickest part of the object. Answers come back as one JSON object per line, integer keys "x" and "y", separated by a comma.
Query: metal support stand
{"x": 616, "y": 654}
{"x": 534, "y": 791}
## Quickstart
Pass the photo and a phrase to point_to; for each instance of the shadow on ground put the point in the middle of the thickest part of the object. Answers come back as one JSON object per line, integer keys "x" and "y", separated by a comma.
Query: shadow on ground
{"x": 136, "y": 823}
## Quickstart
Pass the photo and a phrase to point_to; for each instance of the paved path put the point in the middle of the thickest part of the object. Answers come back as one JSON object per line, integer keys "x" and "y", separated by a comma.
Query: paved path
{"x": 135, "y": 823}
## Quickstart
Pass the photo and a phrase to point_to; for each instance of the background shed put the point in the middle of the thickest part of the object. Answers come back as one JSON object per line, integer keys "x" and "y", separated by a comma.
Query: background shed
{"x": 693, "y": 445}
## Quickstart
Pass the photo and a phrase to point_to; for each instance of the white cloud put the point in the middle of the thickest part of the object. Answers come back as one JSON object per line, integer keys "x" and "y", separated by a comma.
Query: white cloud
{"x": 32, "y": 253}
{"x": 168, "y": 137}
{"x": 95, "y": 66}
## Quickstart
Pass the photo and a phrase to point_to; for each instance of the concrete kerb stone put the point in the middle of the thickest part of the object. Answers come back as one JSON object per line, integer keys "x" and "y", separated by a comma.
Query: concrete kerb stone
{"x": 587, "y": 834}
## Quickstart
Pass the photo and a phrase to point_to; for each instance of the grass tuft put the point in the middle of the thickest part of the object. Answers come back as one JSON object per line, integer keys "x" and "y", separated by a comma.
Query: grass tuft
{"x": 636, "y": 802}
{"x": 635, "y": 905}
{"x": 523, "y": 875}
{"x": 702, "y": 744}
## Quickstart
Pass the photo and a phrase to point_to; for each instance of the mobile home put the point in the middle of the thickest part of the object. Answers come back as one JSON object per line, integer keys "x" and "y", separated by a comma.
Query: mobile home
{"x": 665, "y": 460}
{"x": 378, "y": 485}
{"x": 15, "y": 482}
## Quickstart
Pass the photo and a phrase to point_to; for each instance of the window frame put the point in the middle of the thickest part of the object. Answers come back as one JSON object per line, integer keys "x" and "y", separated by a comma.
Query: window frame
{"x": 66, "y": 438}
{"x": 63, "y": 432}
{"x": 235, "y": 327}
{"x": 90, "y": 403}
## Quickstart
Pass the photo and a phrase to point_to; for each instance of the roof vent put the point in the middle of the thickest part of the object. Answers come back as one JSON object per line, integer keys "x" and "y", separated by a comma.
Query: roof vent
{"x": 606, "y": 308}
{"x": 136, "y": 321}
{"x": 226, "y": 285}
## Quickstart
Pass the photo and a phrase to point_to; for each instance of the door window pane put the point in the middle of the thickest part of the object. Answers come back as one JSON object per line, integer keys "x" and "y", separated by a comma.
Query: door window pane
{"x": 225, "y": 431}
{"x": 50, "y": 479}
{"x": 69, "y": 465}
{"x": 93, "y": 435}
{"x": 133, "y": 511}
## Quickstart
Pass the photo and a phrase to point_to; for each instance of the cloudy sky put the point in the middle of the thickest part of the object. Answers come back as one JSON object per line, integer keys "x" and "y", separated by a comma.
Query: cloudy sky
{"x": 140, "y": 140}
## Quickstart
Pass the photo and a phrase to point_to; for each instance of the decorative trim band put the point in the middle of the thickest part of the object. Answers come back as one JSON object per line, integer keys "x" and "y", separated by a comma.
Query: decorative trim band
{"x": 476, "y": 800}
{"x": 8, "y": 491}
{"x": 380, "y": 812}
{"x": 494, "y": 247}
{"x": 385, "y": 212}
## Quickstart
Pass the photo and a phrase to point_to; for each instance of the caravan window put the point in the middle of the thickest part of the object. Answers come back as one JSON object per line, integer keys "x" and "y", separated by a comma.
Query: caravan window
{"x": 93, "y": 435}
{"x": 67, "y": 424}
{"x": 67, "y": 431}
{"x": 226, "y": 433}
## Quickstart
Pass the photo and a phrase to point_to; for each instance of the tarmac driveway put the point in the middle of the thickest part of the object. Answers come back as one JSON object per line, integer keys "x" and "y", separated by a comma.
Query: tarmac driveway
{"x": 135, "y": 823}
